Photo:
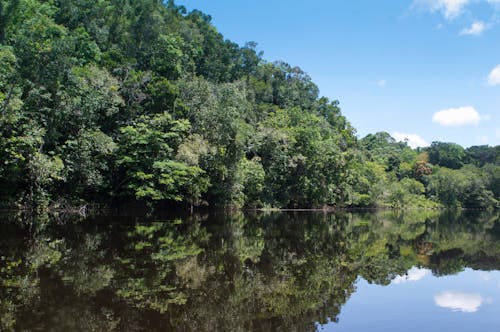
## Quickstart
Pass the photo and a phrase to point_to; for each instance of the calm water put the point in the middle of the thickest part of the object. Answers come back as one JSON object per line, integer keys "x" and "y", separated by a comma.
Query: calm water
{"x": 412, "y": 271}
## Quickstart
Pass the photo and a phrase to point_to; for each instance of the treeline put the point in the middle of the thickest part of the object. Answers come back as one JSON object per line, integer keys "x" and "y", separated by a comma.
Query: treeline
{"x": 391, "y": 174}
{"x": 138, "y": 100}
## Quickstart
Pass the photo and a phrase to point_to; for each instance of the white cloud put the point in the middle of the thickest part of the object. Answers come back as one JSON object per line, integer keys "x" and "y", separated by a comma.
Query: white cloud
{"x": 453, "y": 8}
{"x": 458, "y": 301}
{"x": 382, "y": 83}
{"x": 414, "y": 274}
{"x": 413, "y": 140}
{"x": 475, "y": 29}
{"x": 449, "y": 8}
{"x": 460, "y": 116}
{"x": 494, "y": 76}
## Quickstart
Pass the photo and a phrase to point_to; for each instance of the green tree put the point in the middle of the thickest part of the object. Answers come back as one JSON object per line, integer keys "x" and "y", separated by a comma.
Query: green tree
{"x": 449, "y": 155}
{"x": 146, "y": 161}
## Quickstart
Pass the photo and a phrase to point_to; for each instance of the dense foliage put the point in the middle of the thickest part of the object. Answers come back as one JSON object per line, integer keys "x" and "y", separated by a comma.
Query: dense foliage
{"x": 391, "y": 174}
{"x": 115, "y": 101}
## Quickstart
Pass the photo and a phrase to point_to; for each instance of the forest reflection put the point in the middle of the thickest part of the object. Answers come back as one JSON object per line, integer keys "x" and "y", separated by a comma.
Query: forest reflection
{"x": 222, "y": 272}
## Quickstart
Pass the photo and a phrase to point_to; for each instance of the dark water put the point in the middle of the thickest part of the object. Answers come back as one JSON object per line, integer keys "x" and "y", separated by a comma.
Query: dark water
{"x": 412, "y": 271}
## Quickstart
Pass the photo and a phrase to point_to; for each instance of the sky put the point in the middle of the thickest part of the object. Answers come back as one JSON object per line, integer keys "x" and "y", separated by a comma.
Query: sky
{"x": 467, "y": 301}
{"x": 424, "y": 70}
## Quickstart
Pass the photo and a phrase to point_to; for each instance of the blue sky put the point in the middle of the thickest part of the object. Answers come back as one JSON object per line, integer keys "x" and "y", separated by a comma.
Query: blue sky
{"x": 467, "y": 302}
{"x": 426, "y": 68}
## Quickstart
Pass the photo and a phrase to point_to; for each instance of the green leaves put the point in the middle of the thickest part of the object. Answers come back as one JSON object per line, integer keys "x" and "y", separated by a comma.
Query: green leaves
{"x": 449, "y": 155}
{"x": 9, "y": 87}
{"x": 171, "y": 181}
{"x": 140, "y": 100}
{"x": 86, "y": 160}
{"x": 166, "y": 56}
{"x": 302, "y": 157}
{"x": 146, "y": 157}
{"x": 467, "y": 187}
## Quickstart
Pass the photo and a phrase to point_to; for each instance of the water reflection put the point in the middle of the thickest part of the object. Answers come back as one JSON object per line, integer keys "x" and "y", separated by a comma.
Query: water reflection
{"x": 458, "y": 301}
{"x": 226, "y": 272}
{"x": 414, "y": 274}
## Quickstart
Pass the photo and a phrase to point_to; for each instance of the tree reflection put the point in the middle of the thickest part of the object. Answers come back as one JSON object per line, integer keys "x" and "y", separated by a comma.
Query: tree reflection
{"x": 224, "y": 272}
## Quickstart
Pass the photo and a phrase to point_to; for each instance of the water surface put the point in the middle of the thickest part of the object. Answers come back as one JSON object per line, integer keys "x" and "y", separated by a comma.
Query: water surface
{"x": 387, "y": 271}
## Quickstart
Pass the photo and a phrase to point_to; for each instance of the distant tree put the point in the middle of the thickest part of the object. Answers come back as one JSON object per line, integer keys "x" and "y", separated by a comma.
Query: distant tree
{"x": 449, "y": 155}
{"x": 483, "y": 154}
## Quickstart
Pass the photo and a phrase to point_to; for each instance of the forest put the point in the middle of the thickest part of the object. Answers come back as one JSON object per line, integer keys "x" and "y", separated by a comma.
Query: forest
{"x": 108, "y": 102}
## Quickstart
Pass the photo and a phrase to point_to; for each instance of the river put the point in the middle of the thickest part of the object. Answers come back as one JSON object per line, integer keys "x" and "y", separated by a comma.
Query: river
{"x": 258, "y": 271}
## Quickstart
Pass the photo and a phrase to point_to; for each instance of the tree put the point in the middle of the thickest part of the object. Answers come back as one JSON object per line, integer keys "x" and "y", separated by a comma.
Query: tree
{"x": 449, "y": 155}
{"x": 86, "y": 158}
{"x": 146, "y": 161}
{"x": 481, "y": 155}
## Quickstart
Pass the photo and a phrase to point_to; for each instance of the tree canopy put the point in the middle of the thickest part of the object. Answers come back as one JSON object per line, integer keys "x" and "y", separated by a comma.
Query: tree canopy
{"x": 139, "y": 100}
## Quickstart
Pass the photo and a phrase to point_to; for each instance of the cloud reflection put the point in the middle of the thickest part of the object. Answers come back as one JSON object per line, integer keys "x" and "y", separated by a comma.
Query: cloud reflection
{"x": 485, "y": 276}
{"x": 413, "y": 274}
{"x": 458, "y": 301}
